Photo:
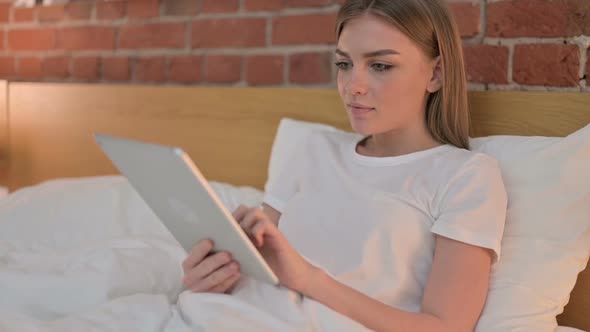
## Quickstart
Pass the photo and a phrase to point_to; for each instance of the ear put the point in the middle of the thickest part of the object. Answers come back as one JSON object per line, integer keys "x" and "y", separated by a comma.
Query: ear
{"x": 435, "y": 82}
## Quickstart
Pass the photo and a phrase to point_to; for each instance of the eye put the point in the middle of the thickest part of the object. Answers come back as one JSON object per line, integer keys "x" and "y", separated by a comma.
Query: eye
{"x": 381, "y": 67}
{"x": 343, "y": 65}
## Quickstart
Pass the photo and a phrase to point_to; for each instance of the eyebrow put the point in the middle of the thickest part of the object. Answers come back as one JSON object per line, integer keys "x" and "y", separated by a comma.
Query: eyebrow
{"x": 369, "y": 54}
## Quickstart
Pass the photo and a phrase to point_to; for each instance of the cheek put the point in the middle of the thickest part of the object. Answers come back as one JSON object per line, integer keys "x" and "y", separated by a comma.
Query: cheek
{"x": 387, "y": 90}
{"x": 398, "y": 97}
{"x": 340, "y": 82}
{"x": 401, "y": 89}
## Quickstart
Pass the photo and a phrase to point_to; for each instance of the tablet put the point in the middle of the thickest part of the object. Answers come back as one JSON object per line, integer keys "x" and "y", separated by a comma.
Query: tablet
{"x": 173, "y": 187}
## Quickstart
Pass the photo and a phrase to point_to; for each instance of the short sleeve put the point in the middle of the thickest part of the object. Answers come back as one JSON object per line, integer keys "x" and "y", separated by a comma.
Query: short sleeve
{"x": 472, "y": 208}
{"x": 283, "y": 185}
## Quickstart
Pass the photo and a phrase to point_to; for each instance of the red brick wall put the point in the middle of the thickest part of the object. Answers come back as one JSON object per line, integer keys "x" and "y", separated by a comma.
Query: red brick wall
{"x": 508, "y": 44}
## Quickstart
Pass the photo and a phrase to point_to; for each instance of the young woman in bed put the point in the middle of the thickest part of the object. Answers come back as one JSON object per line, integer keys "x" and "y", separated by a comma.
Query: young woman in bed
{"x": 401, "y": 226}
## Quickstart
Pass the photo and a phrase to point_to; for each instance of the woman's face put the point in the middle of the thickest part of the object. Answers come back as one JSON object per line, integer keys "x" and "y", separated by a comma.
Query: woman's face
{"x": 383, "y": 77}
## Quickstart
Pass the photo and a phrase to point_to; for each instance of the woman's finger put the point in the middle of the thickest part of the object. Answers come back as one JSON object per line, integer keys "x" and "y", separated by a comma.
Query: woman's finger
{"x": 214, "y": 279}
{"x": 259, "y": 230}
{"x": 197, "y": 254}
{"x": 240, "y": 212}
{"x": 206, "y": 267}
{"x": 227, "y": 284}
{"x": 251, "y": 218}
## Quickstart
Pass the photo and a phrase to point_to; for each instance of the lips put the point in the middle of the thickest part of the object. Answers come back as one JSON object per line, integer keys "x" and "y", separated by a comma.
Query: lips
{"x": 359, "y": 109}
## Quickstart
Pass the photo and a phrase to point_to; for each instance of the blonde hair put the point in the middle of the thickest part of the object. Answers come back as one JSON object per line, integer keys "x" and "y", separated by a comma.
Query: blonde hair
{"x": 429, "y": 23}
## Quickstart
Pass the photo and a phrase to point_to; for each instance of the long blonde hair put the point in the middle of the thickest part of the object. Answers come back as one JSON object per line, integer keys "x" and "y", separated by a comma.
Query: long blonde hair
{"x": 430, "y": 24}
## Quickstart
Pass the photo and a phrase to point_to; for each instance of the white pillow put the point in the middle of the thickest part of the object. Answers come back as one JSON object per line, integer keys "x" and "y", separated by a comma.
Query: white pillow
{"x": 290, "y": 134}
{"x": 546, "y": 241}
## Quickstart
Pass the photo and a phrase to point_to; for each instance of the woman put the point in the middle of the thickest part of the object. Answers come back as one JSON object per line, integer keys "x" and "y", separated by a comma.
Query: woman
{"x": 403, "y": 225}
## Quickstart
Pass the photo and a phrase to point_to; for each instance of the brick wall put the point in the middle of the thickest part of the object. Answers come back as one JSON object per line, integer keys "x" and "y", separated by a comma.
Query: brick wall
{"x": 508, "y": 44}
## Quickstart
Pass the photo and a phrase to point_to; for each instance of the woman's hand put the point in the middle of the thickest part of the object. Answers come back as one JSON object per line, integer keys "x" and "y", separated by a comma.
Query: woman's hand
{"x": 290, "y": 267}
{"x": 206, "y": 272}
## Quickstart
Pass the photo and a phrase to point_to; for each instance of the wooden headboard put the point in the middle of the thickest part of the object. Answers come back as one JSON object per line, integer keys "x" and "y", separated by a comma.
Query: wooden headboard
{"x": 228, "y": 132}
{"x": 3, "y": 133}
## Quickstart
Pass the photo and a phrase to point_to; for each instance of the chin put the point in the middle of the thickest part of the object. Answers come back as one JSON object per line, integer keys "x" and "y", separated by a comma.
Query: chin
{"x": 364, "y": 128}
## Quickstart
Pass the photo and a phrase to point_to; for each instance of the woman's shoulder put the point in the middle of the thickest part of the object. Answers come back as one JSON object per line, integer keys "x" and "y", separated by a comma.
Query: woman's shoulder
{"x": 465, "y": 163}
{"x": 465, "y": 158}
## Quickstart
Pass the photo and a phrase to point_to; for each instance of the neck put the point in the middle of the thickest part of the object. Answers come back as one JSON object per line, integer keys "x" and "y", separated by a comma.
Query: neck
{"x": 398, "y": 142}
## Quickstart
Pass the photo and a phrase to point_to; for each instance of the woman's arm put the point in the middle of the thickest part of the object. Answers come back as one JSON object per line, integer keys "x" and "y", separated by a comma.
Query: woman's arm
{"x": 454, "y": 295}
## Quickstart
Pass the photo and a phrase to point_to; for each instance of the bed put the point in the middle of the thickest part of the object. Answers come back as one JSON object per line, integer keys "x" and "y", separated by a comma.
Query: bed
{"x": 45, "y": 132}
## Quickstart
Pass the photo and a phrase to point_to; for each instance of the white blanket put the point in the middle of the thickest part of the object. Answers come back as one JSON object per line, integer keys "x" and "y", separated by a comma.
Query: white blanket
{"x": 89, "y": 255}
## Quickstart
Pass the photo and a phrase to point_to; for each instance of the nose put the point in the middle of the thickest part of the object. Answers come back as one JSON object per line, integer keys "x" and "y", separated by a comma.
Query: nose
{"x": 356, "y": 84}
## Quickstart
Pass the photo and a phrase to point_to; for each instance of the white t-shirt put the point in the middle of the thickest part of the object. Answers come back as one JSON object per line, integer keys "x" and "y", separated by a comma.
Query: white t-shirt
{"x": 371, "y": 222}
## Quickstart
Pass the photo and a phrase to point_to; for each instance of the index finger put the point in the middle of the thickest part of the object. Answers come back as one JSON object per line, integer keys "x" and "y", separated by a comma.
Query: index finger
{"x": 240, "y": 212}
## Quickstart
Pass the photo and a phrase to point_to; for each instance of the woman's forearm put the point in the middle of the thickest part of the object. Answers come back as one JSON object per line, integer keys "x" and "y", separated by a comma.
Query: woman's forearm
{"x": 367, "y": 311}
